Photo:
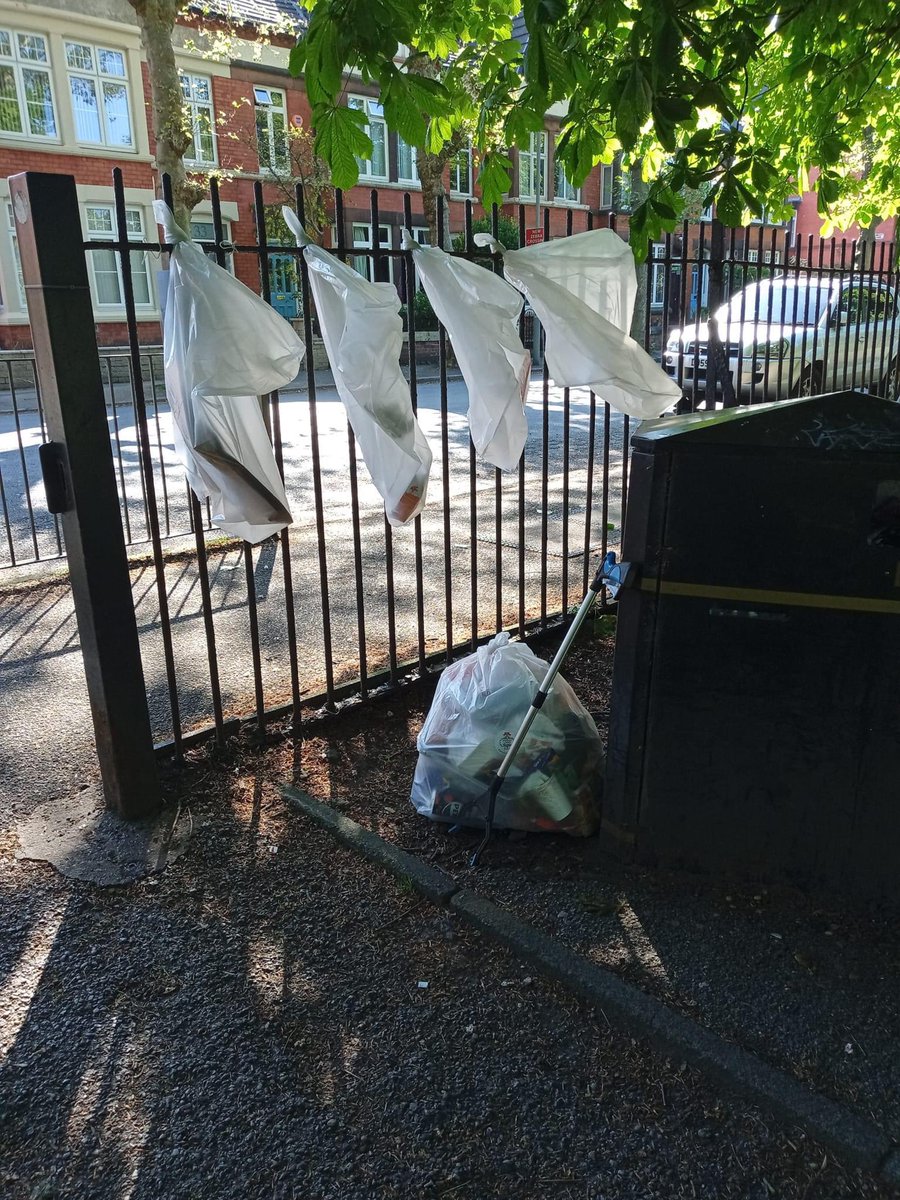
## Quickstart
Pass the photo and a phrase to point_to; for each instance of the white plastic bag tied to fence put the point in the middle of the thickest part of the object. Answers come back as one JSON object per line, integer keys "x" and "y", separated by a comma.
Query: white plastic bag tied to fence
{"x": 583, "y": 289}
{"x": 224, "y": 347}
{"x": 480, "y": 312}
{"x": 479, "y": 704}
{"x": 363, "y": 334}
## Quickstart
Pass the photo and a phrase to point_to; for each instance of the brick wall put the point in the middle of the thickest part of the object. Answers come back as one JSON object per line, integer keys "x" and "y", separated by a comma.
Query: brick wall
{"x": 86, "y": 170}
{"x": 108, "y": 333}
{"x": 236, "y": 131}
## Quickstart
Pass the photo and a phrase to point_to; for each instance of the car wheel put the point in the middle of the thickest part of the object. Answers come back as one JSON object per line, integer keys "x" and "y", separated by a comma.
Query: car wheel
{"x": 810, "y": 382}
{"x": 889, "y": 384}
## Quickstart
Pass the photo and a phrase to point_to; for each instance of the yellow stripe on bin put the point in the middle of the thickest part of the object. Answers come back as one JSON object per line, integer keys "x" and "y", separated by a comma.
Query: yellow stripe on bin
{"x": 709, "y": 591}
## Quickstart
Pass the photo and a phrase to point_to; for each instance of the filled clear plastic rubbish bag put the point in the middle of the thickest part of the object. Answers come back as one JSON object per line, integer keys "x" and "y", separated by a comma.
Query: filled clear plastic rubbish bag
{"x": 224, "y": 347}
{"x": 480, "y": 312}
{"x": 479, "y": 704}
{"x": 583, "y": 290}
{"x": 363, "y": 334}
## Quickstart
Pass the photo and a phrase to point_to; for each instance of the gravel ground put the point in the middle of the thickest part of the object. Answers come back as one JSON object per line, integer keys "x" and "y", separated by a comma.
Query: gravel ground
{"x": 252, "y": 1024}
{"x": 806, "y": 982}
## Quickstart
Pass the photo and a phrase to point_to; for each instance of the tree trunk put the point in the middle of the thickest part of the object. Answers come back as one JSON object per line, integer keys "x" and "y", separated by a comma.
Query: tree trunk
{"x": 638, "y": 190}
{"x": 170, "y": 123}
{"x": 431, "y": 175}
{"x": 865, "y": 246}
{"x": 431, "y": 166}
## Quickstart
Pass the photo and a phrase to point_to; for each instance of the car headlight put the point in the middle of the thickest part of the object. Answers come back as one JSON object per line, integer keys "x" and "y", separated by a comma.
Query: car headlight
{"x": 673, "y": 342}
{"x": 767, "y": 349}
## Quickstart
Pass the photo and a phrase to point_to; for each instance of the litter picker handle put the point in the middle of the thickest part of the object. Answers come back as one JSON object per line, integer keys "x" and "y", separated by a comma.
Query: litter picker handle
{"x": 540, "y": 696}
{"x": 552, "y": 671}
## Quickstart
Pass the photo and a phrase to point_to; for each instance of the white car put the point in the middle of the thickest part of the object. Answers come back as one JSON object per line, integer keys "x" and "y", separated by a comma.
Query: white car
{"x": 795, "y": 337}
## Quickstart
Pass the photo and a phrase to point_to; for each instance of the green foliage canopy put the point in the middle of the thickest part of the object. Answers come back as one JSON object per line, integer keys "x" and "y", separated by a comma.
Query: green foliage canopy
{"x": 739, "y": 98}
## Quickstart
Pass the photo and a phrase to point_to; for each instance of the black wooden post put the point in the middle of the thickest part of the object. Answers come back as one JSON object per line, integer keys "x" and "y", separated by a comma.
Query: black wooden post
{"x": 81, "y": 484}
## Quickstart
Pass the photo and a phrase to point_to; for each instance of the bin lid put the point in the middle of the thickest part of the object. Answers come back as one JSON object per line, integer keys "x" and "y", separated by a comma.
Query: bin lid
{"x": 848, "y": 422}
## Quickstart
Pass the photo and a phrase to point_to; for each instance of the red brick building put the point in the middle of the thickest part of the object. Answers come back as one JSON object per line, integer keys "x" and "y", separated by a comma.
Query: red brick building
{"x": 74, "y": 98}
{"x": 77, "y": 102}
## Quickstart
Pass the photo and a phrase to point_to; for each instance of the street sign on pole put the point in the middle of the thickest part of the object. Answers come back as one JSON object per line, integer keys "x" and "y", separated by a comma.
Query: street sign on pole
{"x": 533, "y": 236}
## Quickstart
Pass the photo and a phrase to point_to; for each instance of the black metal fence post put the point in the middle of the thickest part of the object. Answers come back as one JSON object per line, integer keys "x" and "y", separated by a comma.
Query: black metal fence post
{"x": 81, "y": 484}
{"x": 718, "y": 365}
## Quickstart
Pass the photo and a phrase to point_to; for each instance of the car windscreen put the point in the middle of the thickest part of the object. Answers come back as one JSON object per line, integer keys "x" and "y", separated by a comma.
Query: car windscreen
{"x": 777, "y": 304}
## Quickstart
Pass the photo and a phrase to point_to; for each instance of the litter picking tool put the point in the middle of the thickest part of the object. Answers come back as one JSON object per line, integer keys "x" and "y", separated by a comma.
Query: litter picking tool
{"x": 611, "y": 574}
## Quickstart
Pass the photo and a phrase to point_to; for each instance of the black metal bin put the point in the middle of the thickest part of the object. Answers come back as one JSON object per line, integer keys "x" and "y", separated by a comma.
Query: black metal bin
{"x": 756, "y": 691}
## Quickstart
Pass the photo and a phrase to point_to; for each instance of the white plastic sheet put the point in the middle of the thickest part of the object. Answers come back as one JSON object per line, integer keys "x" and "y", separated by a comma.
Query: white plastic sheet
{"x": 479, "y": 704}
{"x": 583, "y": 290}
{"x": 223, "y": 348}
{"x": 480, "y": 312}
{"x": 363, "y": 333}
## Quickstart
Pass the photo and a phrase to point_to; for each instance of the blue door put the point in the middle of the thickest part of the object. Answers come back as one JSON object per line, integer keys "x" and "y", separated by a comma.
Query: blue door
{"x": 284, "y": 285}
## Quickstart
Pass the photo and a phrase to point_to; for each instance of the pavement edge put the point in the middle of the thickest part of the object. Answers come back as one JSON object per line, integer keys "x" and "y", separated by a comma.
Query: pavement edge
{"x": 431, "y": 882}
{"x": 855, "y": 1139}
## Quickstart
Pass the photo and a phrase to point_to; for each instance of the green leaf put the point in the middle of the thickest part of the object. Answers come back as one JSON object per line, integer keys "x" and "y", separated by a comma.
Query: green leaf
{"x": 729, "y": 203}
{"x": 675, "y": 108}
{"x": 297, "y": 58}
{"x": 325, "y": 59}
{"x": 633, "y": 106}
{"x": 561, "y": 76}
{"x": 401, "y": 111}
{"x": 663, "y": 208}
{"x": 544, "y": 12}
{"x": 762, "y": 175}
{"x": 509, "y": 51}
{"x": 440, "y": 131}
{"x": 828, "y": 187}
{"x": 520, "y": 123}
{"x": 340, "y": 140}
{"x": 750, "y": 201}
{"x": 494, "y": 178}
{"x": 537, "y": 70}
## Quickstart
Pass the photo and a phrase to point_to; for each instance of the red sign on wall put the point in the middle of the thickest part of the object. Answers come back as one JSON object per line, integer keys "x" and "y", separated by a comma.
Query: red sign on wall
{"x": 533, "y": 236}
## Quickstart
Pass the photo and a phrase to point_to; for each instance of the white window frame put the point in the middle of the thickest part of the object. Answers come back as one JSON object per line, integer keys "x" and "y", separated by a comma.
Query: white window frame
{"x": 465, "y": 153}
{"x": 411, "y": 180}
{"x": 363, "y": 241}
{"x": 772, "y": 257}
{"x": 565, "y": 192}
{"x": 536, "y": 159}
{"x": 18, "y": 288}
{"x": 752, "y": 256}
{"x": 136, "y": 235}
{"x": 374, "y": 113}
{"x": 422, "y": 235}
{"x": 194, "y": 108}
{"x": 201, "y": 219}
{"x": 607, "y": 177}
{"x": 97, "y": 78}
{"x": 263, "y": 103}
{"x": 658, "y": 278}
{"x": 18, "y": 65}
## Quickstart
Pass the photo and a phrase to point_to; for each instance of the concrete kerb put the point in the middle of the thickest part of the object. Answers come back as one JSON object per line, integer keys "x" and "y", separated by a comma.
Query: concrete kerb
{"x": 434, "y": 884}
{"x": 854, "y": 1139}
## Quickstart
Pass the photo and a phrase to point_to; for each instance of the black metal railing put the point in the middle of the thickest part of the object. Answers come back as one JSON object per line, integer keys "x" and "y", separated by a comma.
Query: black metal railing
{"x": 342, "y": 603}
{"x": 32, "y": 535}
